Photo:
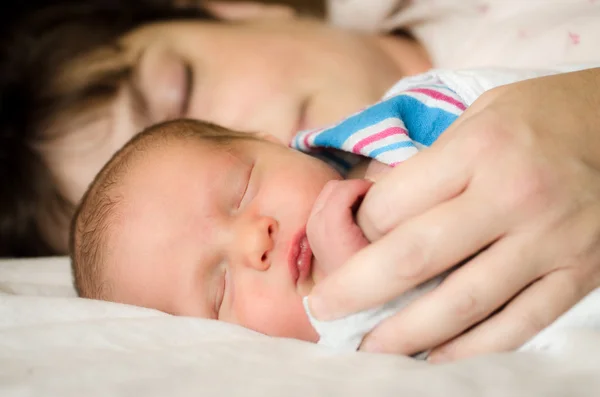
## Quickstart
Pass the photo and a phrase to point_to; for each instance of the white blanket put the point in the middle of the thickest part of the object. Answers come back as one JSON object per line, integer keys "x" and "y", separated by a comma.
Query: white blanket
{"x": 54, "y": 344}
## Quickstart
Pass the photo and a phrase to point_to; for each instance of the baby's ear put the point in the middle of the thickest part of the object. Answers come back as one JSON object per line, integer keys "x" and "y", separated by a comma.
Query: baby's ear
{"x": 270, "y": 138}
{"x": 248, "y": 10}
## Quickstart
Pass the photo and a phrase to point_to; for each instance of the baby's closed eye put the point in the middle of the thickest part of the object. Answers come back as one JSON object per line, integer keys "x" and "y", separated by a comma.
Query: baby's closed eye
{"x": 220, "y": 291}
{"x": 244, "y": 195}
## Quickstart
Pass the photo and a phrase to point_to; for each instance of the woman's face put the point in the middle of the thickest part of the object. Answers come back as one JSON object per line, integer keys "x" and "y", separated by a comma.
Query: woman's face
{"x": 275, "y": 77}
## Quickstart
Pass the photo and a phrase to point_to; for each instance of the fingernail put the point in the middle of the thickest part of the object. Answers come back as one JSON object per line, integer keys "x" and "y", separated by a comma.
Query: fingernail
{"x": 318, "y": 308}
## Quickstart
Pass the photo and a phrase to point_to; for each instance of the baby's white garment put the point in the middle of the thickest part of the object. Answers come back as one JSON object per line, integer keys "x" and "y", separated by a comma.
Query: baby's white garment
{"x": 346, "y": 334}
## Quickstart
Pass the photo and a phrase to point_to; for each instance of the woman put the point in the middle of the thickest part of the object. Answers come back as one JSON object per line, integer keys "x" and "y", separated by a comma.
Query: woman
{"x": 80, "y": 79}
{"x": 122, "y": 67}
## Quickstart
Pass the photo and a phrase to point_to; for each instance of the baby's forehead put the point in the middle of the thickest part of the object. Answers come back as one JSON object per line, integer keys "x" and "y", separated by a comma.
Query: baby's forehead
{"x": 147, "y": 151}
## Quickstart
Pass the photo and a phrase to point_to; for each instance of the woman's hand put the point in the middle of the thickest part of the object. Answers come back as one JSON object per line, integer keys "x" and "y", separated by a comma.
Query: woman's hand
{"x": 512, "y": 189}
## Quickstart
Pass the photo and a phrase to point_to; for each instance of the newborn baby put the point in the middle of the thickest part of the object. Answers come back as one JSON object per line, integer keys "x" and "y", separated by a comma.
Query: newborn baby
{"x": 192, "y": 219}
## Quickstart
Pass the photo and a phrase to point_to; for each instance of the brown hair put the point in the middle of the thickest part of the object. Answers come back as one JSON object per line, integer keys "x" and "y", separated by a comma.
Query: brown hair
{"x": 97, "y": 212}
{"x": 37, "y": 46}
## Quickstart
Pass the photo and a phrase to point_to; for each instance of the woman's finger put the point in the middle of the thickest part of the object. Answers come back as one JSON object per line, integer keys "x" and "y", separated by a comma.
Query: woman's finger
{"x": 470, "y": 294}
{"x": 525, "y": 316}
{"x": 414, "y": 252}
{"x": 433, "y": 176}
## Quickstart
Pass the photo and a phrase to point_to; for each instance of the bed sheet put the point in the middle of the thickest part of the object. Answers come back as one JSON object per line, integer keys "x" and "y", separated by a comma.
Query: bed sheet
{"x": 54, "y": 344}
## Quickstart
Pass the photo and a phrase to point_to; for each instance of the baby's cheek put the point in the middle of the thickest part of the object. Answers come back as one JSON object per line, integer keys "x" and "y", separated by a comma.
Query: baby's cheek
{"x": 274, "y": 314}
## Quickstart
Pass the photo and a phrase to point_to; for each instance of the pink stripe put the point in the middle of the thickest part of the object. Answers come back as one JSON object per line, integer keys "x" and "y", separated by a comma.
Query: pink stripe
{"x": 438, "y": 95}
{"x": 308, "y": 135}
{"x": 380, "y": 135}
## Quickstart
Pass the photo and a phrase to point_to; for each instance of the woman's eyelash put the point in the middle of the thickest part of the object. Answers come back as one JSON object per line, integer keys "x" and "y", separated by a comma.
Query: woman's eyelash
{"x": 188, "y": 86}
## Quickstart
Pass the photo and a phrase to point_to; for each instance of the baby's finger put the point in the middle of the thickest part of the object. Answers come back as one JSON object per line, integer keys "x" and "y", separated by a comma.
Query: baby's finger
{"x": 530, "y": 312}
{"x": 414, "y": 252}
{"x": 331, "y": 230}
{"x": 467, "y": 296}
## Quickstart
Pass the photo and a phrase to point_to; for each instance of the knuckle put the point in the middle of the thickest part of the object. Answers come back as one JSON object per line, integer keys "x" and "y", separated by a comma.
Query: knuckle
{"x": 577, "y": 282}
{"x": 469, "y": 305}
{"x": 491, "y": 137}
{"x": 535, "y": 321}
{"x": 490, "y": 96}
{"x": 372, "y": 220}
{"x": 530, "y": 191}
{"x": 412, "y": 261}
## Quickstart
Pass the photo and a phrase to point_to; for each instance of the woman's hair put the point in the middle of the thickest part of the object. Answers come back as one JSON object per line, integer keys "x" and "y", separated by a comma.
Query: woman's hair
{"x": 38, "y": 43}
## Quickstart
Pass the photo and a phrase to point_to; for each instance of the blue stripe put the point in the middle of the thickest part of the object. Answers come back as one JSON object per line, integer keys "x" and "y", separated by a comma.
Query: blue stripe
{"x": 392, "y": 146}
{"x": 424, "y": 124}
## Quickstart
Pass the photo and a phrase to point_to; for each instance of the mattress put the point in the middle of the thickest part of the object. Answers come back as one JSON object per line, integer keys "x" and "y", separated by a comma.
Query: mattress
{"x": 55, "y": 344}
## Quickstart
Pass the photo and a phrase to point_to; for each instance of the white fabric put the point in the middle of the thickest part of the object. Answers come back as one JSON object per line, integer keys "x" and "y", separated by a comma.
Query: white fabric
{"x": 53, "y": 344}
{"x": 477, "y": 33}
{"x": 347, "y": 333}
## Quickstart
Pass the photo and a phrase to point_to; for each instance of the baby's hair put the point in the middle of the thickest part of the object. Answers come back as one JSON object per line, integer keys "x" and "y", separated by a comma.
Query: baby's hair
{"x": 98, "y": 209}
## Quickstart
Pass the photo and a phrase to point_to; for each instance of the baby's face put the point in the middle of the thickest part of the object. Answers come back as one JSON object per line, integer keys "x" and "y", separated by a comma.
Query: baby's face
{"x": 214, "y": 233}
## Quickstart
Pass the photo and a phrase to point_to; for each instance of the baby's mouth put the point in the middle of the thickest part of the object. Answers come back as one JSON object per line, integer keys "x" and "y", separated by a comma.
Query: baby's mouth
{"x": 304, "y": 261}
{"x": 300, "y": 259}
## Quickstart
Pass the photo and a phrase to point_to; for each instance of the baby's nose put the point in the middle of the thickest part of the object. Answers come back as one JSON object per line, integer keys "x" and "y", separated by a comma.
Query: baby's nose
{"x": 256, "y": 242}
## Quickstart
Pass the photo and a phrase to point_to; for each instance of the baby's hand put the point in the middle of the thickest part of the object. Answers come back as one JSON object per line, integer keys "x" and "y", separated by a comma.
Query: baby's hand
{"x": 332, "y": 231}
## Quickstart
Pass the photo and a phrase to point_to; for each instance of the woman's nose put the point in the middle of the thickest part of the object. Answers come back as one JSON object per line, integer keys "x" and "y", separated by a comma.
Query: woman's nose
{"x": 255, "y": 242}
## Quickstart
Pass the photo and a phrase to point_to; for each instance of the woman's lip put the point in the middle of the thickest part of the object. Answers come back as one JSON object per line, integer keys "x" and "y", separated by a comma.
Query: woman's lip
{"x": 299, "y": 257}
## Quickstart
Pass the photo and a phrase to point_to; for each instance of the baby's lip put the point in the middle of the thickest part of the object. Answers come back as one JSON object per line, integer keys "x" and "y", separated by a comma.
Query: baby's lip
{"x": 300, "y": 257}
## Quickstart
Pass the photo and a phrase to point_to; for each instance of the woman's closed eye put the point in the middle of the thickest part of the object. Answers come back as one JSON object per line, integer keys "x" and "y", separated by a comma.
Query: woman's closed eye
{"x": 188, "y": 86}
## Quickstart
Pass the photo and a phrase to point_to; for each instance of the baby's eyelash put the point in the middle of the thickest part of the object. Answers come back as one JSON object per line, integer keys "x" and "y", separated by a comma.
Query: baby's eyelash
{"x": 248, "y": 177}
{"x": 221, "y": 296}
